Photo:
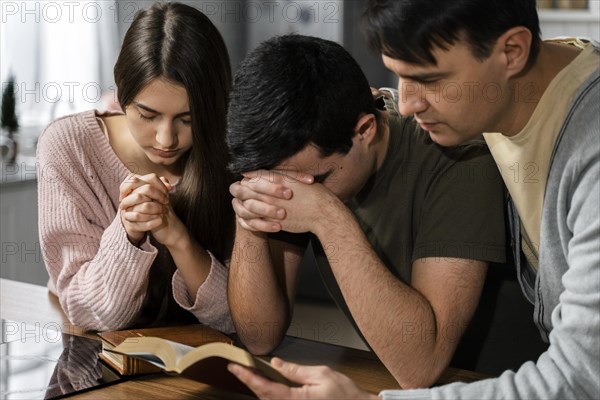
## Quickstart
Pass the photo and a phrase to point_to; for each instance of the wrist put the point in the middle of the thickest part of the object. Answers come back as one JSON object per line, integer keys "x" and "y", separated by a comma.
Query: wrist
{"x": 332, "y": 212}
{"x": 179, "y": 242}
{"x": 247, "y": 234}
{"x": 136, "y": 238}
{"x": 141, "y": 241}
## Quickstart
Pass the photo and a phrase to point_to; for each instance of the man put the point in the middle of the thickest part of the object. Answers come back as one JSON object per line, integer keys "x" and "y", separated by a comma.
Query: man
{"x": 403, "y": 229}
{"x": 544, "y": 134}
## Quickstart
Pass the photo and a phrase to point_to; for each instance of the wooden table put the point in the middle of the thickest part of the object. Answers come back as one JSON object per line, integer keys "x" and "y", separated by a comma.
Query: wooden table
{"x": 36, "y": 306}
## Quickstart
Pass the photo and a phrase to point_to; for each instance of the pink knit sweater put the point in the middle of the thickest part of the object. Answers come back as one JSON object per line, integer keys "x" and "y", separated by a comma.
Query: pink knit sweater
{"x": 101, "y": 279}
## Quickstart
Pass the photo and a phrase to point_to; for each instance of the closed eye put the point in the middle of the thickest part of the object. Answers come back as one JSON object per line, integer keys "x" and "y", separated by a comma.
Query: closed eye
{"x": 146, "y": 117}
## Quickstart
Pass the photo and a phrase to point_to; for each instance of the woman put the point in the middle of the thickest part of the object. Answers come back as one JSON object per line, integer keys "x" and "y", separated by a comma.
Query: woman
{"x": 134, "y": 211}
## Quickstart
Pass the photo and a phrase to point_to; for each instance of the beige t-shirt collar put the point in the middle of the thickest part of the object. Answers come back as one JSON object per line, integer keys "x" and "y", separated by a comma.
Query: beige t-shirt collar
{"x": 524, "y": 159}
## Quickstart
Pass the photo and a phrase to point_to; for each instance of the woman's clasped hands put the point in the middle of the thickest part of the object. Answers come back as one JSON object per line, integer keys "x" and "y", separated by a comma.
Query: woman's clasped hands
{"x": 145, "y": 207}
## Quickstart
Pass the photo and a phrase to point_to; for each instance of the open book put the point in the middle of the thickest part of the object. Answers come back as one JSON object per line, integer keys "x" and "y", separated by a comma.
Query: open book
{"x": 191, "y": 335}
{"x": 206, "y": 363}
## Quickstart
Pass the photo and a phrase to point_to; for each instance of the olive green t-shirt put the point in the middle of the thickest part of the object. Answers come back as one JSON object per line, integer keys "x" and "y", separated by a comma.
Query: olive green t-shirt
{"x": 427, "y": 201}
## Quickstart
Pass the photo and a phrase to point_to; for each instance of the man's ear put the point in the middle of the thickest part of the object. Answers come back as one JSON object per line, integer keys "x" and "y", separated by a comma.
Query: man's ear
{"x": 515, "y": 46}
{"x": 366, "y": 128}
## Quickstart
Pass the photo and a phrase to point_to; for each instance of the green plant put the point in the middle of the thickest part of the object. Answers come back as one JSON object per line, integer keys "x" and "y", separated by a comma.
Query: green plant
{"x": 8, "y": 118}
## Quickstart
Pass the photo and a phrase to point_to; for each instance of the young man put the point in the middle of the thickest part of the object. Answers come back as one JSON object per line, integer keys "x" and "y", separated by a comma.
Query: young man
{"x": 539, "y": 103}
{"x": 403, "y": 228}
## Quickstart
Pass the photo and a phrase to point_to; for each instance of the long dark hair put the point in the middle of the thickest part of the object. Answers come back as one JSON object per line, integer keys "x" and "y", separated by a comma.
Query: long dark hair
{"x": 179, "y": 43}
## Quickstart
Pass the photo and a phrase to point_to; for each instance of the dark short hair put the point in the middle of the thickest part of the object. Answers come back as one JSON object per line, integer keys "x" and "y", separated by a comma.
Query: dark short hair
{"x": 409, "y": 30}
{"x": 292, "y": 91}
{"x": 179, "y": 43}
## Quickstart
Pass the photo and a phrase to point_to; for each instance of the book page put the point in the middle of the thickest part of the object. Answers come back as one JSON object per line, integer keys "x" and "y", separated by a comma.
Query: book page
{"x": 150, "y": 358}
{"x": 160, "y": 352}
{"x": 180, "y": 350}
{"x": 218, "y": 355}
{"x": 217, "y": 349}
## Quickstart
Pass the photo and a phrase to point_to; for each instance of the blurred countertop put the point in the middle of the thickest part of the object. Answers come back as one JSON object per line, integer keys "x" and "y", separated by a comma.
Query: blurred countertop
{"x": 24, "y": 168}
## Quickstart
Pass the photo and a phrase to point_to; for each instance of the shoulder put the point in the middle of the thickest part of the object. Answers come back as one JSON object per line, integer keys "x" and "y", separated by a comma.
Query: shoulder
{"x": 76, "y": 148}
{"x": 580, "y": 139}
{"x": 575, "y": 162}
{"x": 475, "y": 151}
{"x": 69, "y": 132}
{"x": 586, "y": 98}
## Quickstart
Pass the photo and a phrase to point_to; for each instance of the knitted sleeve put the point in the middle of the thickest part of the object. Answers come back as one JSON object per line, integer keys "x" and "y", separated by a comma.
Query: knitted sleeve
{"x": 210, "y": 305}
{"x": 99, "y": 276}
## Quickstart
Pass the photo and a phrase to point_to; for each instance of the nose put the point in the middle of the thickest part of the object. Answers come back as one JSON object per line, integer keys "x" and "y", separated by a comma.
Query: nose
{"x": 166, "y": 134}
{"x": 411, "y": 99}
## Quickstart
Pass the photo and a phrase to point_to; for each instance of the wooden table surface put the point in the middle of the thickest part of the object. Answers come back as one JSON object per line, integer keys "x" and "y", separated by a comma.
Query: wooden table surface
{"x": 36, "y": 306}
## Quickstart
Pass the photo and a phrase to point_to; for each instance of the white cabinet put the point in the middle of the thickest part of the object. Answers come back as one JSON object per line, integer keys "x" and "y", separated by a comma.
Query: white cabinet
{"x": 21, "y": 257}
{"x": 573, "y": 22}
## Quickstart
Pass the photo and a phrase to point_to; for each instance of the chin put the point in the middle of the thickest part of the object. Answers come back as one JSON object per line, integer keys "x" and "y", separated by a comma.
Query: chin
{"x": 445, "y": 140}
{"x": 162, "y": 161}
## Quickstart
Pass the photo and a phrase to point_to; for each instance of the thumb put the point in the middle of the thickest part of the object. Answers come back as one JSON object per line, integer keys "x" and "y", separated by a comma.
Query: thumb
{"x": 305, "y": 178}
{"x": 302, "y": 374}
{"x": 166, "y": 182}
{"x": 299, "y": 176}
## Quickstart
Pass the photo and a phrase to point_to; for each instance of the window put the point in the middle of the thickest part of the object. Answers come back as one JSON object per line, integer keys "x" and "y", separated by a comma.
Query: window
{"x": 570, "y": 18}
{"x": 563, "y": 4}
{"x": 61, "y": 54}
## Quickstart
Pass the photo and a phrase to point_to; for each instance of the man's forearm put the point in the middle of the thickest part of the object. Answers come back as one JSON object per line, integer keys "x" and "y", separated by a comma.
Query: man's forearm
{"x": 257, "y": 301}
{"x": 397, "y": 321}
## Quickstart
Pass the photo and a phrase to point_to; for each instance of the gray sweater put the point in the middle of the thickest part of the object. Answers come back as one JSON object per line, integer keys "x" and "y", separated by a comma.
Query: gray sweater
{"x": 566, "y": 291}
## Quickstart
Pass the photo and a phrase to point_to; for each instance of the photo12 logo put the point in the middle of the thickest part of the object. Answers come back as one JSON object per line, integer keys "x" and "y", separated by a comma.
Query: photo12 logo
{"x": 53, "y": 92}
{"x": 125, "y": 11}
{"x": 453, "y": 92}
{"x": 272, "y": 11}
{"x": 37, "y": 332}
{"x": 67, "y": 11}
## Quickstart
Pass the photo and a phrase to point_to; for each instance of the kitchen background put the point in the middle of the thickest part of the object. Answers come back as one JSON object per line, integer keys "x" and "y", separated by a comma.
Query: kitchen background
{"x": 61, "y": 55}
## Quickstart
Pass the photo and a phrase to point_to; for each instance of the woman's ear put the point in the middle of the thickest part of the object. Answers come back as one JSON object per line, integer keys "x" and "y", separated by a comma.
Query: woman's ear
{"x": 515, "y": 47}
{"x": 366, "y": 128}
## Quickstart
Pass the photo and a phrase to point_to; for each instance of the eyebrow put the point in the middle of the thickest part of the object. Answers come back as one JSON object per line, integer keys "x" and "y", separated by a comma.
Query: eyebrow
{"x": 146, "y": 108}
{"x": 425, "y": 76}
